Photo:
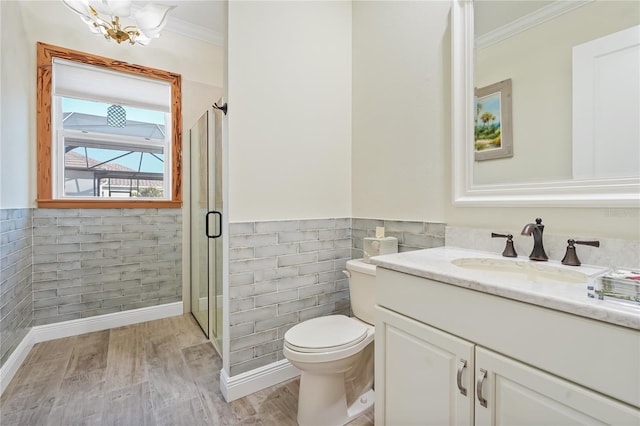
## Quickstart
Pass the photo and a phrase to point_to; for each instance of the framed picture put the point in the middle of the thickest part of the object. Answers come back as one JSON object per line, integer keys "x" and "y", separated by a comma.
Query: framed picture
{"x": 492, "y": 124}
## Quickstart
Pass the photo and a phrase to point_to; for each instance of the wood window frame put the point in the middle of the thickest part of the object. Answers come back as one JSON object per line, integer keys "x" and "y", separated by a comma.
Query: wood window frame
{"x": 45, "y": 55}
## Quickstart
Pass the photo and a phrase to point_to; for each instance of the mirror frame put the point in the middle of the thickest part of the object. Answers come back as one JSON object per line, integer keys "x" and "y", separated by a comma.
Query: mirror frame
{"x": 622, "y": 192}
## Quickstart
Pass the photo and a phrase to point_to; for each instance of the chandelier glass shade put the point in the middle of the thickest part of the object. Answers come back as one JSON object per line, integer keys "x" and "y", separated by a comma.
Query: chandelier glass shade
{"x": 104, "y": 17}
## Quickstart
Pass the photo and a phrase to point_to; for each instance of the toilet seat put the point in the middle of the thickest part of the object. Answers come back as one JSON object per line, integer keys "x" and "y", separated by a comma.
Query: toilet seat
{"x": 325, "y": 334}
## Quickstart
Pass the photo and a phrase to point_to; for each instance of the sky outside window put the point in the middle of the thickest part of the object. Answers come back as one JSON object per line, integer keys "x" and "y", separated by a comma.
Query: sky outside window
{"x": 140, "y": 123}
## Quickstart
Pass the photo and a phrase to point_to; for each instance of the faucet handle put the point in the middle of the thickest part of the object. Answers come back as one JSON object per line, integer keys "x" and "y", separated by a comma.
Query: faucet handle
{"x": 593, "y": 243}
{"x": 509, "y": 250}
{"x": 571, "y": 257}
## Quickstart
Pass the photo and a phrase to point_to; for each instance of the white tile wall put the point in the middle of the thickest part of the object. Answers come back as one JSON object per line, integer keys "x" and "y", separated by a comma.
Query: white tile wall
{"x": 410, "y": 235}
{"x": 15, "y": 279}
{"x": 90, "y": 262}
{"x": 285, "y": 272}
{"x": 281, "y": 273}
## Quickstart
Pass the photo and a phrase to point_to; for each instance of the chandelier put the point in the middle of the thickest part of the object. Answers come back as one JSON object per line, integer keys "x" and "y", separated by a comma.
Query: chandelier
{"x": 103, "y": 17}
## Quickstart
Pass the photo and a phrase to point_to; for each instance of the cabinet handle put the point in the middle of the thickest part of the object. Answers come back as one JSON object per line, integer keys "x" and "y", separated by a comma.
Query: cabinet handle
{"x": 462, "y": 364}
{"x": 479, "y": 383}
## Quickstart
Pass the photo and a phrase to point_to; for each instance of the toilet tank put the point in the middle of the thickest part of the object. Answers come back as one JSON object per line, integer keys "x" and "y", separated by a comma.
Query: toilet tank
{"x": 362, "y": 289}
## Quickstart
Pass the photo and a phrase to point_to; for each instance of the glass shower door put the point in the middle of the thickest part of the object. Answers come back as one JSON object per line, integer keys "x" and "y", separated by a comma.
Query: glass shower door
{"x": 206, "y": 225}
{"x": 199, "y": 208}
{"x": 215, "y": 252}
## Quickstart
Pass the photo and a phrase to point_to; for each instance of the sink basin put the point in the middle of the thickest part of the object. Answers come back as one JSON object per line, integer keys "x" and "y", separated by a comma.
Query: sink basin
{"x": 522, "y": 270}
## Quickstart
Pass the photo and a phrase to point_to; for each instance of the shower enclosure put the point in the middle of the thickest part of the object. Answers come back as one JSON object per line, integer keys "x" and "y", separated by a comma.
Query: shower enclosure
{"x": 206, "y": 225}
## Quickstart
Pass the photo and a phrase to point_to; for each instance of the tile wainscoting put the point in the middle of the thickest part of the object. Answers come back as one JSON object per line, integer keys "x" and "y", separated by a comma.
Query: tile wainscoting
{"x": 285, "y": 272}
{"x": 15, "y": 282}
{"x": 90, "y": 262}
{"x": 75, "y": 263}
{"x": 282, "y": 273}
{"x": 410, "y": 235}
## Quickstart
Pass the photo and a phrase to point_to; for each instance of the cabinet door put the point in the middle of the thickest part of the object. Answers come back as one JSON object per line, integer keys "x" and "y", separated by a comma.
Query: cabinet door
{"x": 417, "y": 372}
{"x": 517, "y": 394}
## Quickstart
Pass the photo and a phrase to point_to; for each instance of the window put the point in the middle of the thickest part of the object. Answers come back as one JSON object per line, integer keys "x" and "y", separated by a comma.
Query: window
{"x": 109, "y": 133}
{"x": 109, "y": 151}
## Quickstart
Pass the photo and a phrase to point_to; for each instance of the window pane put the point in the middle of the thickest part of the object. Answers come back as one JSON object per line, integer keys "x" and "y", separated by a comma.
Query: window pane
{"x": 97, "y": 117}
{"x": 104, "y": 172}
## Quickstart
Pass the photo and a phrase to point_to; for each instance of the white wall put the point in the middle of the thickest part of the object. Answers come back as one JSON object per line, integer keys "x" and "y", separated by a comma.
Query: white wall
{"x": 401, "y": 110}
{"x": 413, "y": 143}
{"x": 289, "y": 122}
{"x": 290, "y": 84}
{"x": 52, "y": 22}
{"x": 16, "y": 89}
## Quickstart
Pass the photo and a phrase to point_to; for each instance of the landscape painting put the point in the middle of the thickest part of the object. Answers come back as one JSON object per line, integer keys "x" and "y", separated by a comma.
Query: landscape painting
{"x": 492, "y": 123}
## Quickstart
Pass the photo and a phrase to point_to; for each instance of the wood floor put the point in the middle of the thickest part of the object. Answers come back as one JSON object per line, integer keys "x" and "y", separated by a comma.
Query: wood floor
{"x": 162, "y": 372}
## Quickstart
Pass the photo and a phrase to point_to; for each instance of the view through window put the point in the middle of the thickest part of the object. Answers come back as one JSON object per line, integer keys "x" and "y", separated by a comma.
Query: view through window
{"x": 112, "y": 150}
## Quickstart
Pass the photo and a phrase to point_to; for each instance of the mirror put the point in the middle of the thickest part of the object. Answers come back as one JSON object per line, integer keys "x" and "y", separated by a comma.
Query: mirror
{"x": 559, "y": 154}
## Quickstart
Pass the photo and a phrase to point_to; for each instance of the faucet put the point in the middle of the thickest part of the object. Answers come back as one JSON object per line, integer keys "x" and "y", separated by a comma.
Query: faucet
{"x": 538, "y": 249}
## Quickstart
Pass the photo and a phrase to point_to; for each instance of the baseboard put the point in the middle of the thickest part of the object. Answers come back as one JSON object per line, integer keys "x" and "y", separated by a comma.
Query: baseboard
{"x": 252, "y": 381}
{"x": 42, "y": 333}
{"x": 59, "y": 330}
{"x": 15, "y": 360}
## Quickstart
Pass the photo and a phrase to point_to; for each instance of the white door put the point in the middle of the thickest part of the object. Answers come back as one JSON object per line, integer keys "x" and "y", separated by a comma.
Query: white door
{"x": 517, "y": 394}
{"x": 417, "y": 379}
{"x": 606, "y": 106}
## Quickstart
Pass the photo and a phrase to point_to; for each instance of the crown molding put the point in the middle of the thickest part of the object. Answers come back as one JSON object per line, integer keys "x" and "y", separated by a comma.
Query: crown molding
{"x": 198, "y": 32}
{"x": 530, "y": 20}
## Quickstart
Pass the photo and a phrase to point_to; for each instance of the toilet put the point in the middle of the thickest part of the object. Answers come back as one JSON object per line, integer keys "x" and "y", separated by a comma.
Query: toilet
{"x": 329, "y": 349}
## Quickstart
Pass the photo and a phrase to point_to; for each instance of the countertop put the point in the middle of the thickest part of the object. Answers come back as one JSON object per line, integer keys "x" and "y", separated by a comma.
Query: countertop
{"x": 435, "y": 264}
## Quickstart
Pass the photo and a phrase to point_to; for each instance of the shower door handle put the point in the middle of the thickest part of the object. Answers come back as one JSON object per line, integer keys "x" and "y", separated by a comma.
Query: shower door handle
{"x": 206, "y": 224}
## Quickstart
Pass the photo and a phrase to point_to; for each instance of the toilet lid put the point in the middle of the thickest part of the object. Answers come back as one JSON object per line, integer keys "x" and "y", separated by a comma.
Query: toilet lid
{"x": 324, "y": 334}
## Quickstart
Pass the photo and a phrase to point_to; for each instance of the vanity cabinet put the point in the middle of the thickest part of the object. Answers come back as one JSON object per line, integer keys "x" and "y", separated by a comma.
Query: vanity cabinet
{"x": 516, "y": 393}
{"x": 441, "y": 350}
{"x": 425, "y": 373}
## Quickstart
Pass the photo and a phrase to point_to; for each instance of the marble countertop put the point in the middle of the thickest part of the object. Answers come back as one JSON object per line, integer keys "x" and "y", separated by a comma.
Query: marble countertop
{"x": 435, "y": 264}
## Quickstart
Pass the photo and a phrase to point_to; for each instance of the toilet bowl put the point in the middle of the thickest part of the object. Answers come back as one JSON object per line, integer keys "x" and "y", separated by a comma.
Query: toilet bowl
{"x": 325, "y": 349}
